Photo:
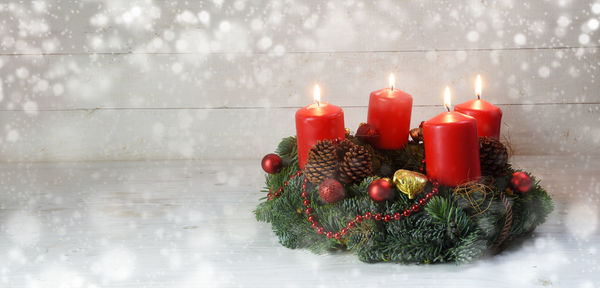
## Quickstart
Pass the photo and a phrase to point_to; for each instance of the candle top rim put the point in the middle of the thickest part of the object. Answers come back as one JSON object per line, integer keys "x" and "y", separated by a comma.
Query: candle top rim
{"x": 385, "y": 92}
{"x": 323, "y": 109}
{"x": 450, "y": 118}
{"x": 477, "y": 104}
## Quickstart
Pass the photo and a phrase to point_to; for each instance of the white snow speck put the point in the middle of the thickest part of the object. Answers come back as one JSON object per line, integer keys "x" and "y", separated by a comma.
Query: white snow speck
{"x": 225, "y": 26}
{"x": 31, "y": 108}
{"x": 563, "y": 21}
{"x": 264, "y": 43}
{"x": 99, "y": 20}
{"x": 520, "y": 39}
{"x": 12, "y": 135}
{"x": 279, "y": 50}
{"x": 186, "y": 17}
{"x": 596, "y": 8}
{"x": 204, "y": 17}
{"x": 473, "y": 36}
{"x": 584, "y": 39}
{"x": 544, "y": 71}
{"x": 593, "y": 24}
{"x": 22, "y": 72}
{"x": 176, "y": 67}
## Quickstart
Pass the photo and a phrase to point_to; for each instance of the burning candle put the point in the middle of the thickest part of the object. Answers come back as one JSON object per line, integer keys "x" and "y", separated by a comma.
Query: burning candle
{"x": 451, "y": 147}
{"x": 317, "y": 121}
{"x": 389, "y": 113}
{"x": 489, "y": 117}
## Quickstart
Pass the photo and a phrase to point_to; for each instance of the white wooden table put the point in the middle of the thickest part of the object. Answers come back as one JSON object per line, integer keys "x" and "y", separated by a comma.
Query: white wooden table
{"x": 190, "y": 224}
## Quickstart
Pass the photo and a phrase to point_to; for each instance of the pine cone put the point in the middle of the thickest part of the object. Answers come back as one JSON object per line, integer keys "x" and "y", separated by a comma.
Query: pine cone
{"x": 356, "y": 165}
{"x": 493, "y": 156}
{"x": 342, "y": 147}
{"x": 322, "y": 162}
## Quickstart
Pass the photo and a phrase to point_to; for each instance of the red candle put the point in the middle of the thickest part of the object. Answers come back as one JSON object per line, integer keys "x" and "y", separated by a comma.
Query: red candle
{"x": 451, "y": 147}
{"x": 389, "y": 113}
{"x": 317, "y": 121}
{"x": 489, "y": 117}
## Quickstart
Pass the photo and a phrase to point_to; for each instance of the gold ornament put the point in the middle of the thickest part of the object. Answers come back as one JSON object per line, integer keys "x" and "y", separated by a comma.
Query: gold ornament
{"x": 409, "y": 182}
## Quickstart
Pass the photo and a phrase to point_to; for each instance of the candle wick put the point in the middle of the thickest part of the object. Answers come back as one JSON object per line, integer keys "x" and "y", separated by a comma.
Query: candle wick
{"x": 447, "y": 107}
{"x": 478, "y": 96}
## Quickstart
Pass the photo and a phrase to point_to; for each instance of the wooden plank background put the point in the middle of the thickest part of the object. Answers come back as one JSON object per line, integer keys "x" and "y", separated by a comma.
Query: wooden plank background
{"x": 128, "y": 80}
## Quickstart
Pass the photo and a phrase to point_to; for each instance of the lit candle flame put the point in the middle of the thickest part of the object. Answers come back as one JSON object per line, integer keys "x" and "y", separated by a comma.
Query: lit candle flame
{"x": 317, "y": 94}
{"x": 392, "y": 79}
{"x": 447, "y": 98}
{"x": 478, "y": 87}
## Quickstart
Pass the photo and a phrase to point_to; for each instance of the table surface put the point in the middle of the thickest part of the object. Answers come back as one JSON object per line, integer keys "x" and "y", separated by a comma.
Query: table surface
{"x": 190, "y": 224}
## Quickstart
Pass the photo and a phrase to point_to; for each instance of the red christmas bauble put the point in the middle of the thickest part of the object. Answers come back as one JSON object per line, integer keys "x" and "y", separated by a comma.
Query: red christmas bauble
{"x": 331, "y": 191}
{"x": 271, "y": 163}
{"x": 380, "y": 190}
{"x": 521, "y": 182}
{"x": 367, "y": 133}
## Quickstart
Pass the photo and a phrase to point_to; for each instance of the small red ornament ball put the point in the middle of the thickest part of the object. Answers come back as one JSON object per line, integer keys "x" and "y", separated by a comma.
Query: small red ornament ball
{"x": 380, "y": 190}
{"x": 271, "y": 163}
{"x": 521, "y": 182}
{"x": 331, "y": 191}
{"x": 367, "y": 133}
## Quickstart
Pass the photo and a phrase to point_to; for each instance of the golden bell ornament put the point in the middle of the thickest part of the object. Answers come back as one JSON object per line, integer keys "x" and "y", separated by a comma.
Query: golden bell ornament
{"x": 409, "y": 182}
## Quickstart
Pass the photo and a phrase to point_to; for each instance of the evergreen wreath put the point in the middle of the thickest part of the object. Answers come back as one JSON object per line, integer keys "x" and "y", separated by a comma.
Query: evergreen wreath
{"x": 442, "y": 224}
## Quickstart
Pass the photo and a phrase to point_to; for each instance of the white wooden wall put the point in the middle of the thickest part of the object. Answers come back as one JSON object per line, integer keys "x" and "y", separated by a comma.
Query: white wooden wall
{"x": 158, "y": 79}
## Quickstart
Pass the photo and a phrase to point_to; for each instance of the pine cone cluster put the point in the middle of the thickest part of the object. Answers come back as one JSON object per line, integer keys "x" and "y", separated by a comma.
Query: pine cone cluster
{"x": 348, "y": 162}
{"x": 493, "y": 156}
{"x": 356, "y": 165}
{"x": 322, "y": 162}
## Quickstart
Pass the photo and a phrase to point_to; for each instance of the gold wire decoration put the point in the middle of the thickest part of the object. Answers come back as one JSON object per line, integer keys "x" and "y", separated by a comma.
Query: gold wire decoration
{"x": 479, "y": 204}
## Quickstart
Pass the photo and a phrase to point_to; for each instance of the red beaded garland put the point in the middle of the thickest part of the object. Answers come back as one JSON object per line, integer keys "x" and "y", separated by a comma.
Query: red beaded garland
{"x": 414, "y": 208}
{"x": 387, "y": 218}
{"x": 358, "y": 218}
{"x": 272, "y": 195}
